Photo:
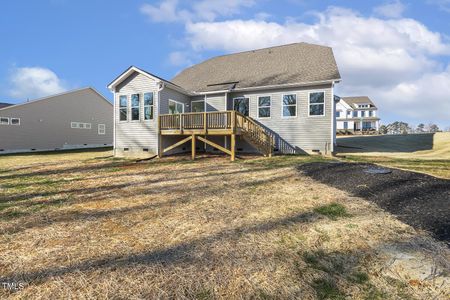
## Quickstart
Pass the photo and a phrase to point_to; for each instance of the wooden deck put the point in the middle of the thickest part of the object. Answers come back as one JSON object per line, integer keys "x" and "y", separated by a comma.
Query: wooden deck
{"x": 197, "y": 126}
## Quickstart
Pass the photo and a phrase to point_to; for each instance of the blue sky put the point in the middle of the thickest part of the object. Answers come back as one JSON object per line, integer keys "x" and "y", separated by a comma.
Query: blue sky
{"x": 397, "y": 52}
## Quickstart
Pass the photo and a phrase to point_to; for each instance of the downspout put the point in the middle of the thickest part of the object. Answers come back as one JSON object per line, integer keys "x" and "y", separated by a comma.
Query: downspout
{"x": 205, "y": 106}
{"x": 333, "y": 119}
{"x": 161, "y": 86}
{"x": 114, "y": 122}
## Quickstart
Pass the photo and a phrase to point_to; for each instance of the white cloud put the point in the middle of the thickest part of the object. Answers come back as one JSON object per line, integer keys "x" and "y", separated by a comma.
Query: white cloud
{"x": 209, "y": 10}
{"x": 393, "y": 9}
{"x": 34, "y": 82}
{"x": 166, "y": 11}
{"x": 394, "y": 61}
{"x": 204, "y": 10}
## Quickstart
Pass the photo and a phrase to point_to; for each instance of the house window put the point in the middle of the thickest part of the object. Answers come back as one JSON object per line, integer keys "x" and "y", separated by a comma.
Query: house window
{"x": 198, "y": 106}
{"x": 355, "y": 114}
{"x": 317, "y": 104}
{"x": 242, "y": 105}
{"x": 338, "y": 114}
{"x": 289, "y": 105}
{"x": 370, "y": 113}
{"x": 135, "y": 107}
{"x": 345, "y": 125}
{"x": 264, "y": 107}
{"x": 15, "y": 121}
{"x": 148, "y": 106}
{"x": 101, "y": 129}
{"x": 4, "y": 121}
{"x": 79, "y": 125}
{"x": 175, "y": 107}
{"x": 123, "y": 107}
{"x": 367, "y": 125}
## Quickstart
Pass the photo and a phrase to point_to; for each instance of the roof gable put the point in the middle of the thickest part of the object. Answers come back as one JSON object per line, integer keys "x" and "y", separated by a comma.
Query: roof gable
{"x": 132, "y": 69}
{"x": 298, "y": 63}
{"x": 355, "y": 100}
{"x": 55, "y": 96}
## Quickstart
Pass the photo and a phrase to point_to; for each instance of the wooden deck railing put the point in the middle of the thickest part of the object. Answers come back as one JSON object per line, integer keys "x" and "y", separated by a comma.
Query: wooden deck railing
{"x": 202, "y": 121}
{"x": 230, "y": 122}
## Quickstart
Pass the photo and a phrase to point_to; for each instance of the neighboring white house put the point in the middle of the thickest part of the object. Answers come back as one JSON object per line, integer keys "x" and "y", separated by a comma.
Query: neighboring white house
{"x": 76, "y": 119}
{"x": 356, "y": 115}
{"x": 279, "y": 98}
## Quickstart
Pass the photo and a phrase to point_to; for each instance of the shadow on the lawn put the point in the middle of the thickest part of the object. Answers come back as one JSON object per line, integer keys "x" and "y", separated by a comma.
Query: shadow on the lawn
{"x": 143, "y": 188}
{"x": 180, "y": 253}
{"x": 105, "y": 188}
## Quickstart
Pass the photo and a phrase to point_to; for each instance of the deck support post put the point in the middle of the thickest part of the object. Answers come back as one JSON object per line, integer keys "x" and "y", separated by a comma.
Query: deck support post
{"x": 193, "y": 146}
{"x": 160, "y": 145}
{"x": 233, "y": 147}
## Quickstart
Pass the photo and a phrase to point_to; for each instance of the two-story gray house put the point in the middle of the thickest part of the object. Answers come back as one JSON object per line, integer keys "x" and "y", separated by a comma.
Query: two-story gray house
{"x": 278, "y": 99}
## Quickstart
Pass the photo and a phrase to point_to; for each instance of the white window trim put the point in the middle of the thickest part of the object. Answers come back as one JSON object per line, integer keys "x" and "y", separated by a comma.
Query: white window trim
{"x": 76, "y": 125}
{"x": 204, "y": 104}
{"x": 7, "y": 123}
{"x": 143, "y": 106}
{"x": 139, "y": 107}
{"x": 249, "y": 103}
{"x": 258, "y": 107}
{"x": 103, "y": 131}
{"x": 282, "y": 106}
{"x": 178, "y": 102}
{"x": 309, "y": 103}
{"x": 11, "y": 123}
{"x": 126, "y": 109}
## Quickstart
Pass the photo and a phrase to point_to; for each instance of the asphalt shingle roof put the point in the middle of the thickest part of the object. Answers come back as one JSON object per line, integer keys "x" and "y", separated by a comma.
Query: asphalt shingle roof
{"x": 287, "y": 64}
{"x": 358, "y": 100}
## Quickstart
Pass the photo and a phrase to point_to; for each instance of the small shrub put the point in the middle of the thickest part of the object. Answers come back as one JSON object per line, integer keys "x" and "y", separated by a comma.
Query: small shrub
{"x": 332, "y": 211}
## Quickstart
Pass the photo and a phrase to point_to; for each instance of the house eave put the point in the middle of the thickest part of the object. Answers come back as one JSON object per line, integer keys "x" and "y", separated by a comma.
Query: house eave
{"x": 274, "y": 86}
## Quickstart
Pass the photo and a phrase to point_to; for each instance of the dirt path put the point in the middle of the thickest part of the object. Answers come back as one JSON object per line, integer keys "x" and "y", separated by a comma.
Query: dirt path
{"x": 419, "y": 200}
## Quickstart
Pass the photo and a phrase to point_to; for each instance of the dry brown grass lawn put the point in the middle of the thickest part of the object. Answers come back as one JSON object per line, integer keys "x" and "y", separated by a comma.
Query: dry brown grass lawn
{"x": 85, "y": 225}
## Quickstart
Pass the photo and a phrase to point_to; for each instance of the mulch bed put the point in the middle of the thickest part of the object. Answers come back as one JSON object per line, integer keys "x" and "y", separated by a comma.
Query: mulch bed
{"x": 419, "y": 200}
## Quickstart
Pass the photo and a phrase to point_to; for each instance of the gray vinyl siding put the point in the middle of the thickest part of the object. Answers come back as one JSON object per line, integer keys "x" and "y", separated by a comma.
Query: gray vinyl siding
{"x": 46, "y": 124}
{"x": 137, "y": 136}
{"x": 215, "y": 102}
{"x": 300, "y": 134}
{"x": 166, "y": 95}
{"x": 169, "y": 94}
{"x": 140, "y": 135}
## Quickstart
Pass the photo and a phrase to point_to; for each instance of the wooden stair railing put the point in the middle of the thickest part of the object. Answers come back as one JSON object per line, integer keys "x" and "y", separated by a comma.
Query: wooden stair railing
{"x": 230, "y": 122}
{"x": 255, "y": 134}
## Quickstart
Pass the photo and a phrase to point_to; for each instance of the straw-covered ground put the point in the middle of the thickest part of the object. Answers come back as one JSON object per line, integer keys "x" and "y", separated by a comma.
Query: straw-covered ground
{"x": 85, "y": 225}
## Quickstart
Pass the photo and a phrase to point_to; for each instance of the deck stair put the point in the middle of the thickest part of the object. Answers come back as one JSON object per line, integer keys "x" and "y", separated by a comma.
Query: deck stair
{"x": 226, "y": 123}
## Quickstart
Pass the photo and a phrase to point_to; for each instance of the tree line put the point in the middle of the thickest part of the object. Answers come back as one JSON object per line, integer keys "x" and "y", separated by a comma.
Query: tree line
{"x": 399, "y": 127}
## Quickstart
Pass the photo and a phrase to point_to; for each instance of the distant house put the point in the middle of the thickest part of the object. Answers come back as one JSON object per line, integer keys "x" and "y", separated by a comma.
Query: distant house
{"x": 356, "y": 115}
{"x": 76, "y": 119}
{"x": 278, "y": 99}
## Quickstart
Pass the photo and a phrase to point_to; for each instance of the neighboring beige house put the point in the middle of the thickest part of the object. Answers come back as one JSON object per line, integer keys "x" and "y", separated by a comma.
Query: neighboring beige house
{"x": 76, "y": 119}
{"x": 356, "y": 115}
{"x": 278, "y": 99}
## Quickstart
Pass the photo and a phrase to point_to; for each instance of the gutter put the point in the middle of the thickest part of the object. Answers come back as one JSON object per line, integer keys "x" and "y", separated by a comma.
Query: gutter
{"x": 275, "y": 86}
